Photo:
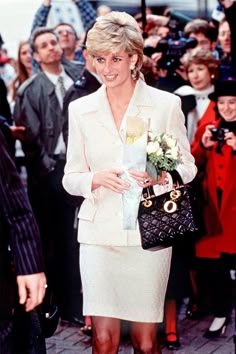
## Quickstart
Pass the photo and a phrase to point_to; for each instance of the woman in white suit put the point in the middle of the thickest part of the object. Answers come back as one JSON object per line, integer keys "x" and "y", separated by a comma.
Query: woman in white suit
{"x": 120, "y": 280}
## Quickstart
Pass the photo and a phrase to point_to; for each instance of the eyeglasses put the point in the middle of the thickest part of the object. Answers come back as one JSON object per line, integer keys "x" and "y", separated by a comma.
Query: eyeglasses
{"x": 65, "y": 31}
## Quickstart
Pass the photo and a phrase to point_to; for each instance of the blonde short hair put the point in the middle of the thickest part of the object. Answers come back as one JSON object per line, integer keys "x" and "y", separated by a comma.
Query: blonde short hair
{"x": 115, "y": 32}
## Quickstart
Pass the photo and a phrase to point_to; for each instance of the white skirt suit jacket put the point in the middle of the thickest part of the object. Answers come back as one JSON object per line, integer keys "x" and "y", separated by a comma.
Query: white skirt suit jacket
{"x": 95, "y": 144}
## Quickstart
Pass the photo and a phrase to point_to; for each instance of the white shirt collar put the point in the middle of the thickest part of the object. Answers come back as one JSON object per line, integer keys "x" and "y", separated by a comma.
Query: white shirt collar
{"x": 54, "y": 77}
{"x": 203, "y": 94}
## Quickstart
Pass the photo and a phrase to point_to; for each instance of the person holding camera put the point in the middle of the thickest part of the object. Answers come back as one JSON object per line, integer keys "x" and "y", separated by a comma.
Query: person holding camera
{"x": 215, "y": 155}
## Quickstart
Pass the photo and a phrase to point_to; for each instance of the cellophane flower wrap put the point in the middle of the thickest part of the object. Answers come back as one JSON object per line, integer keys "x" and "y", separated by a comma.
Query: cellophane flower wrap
{"x": 135, "y": 158}
{"x": 162, "y": 154}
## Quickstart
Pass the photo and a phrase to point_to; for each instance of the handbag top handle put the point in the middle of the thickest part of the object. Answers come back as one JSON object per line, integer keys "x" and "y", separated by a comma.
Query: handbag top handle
{"x": 148, "y": 192}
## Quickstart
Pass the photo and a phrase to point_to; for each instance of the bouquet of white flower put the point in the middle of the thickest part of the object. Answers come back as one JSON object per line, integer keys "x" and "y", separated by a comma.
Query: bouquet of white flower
{"x": 162, "y": 154}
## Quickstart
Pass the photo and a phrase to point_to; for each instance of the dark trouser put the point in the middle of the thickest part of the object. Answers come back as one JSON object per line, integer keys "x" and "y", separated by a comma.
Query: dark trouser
{"x": 19, "y": 334}
{"x": 7, "y": 300}
{"x": 27, "y": 333}
{"x": 214, "y": 280}
{"x": 6, "y": 337}
{"x": 55, "y": 215}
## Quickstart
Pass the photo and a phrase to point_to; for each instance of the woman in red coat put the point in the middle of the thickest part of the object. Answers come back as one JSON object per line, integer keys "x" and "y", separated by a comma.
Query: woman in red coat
{"x": 215, "y": 155}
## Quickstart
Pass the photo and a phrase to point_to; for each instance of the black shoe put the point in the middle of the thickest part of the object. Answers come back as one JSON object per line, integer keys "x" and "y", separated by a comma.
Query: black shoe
{"x": 170, "y": 344}
{"x": 87, "y": 330}
{"x": 217, "y": 333}
{"x": 193, "y": 313}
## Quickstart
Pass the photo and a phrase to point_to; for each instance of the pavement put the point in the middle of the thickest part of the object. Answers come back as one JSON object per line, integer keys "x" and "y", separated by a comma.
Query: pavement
{"x": 68, "y": 339}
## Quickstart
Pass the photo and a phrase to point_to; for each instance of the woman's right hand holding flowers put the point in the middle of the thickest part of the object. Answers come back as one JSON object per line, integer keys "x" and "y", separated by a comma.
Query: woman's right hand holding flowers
{"x": 111, "y": 180}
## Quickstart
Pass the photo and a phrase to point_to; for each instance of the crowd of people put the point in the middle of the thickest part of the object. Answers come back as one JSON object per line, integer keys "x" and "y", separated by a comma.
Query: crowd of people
{"x": 62, "y": 220}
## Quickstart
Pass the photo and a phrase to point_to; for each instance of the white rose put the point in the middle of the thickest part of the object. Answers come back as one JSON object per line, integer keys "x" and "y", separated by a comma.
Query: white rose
{"x": 170, "y": 142}
{"x": 152, "y": 147}
{"x": 159, "y": 152}
{"x": 173, "y": 153}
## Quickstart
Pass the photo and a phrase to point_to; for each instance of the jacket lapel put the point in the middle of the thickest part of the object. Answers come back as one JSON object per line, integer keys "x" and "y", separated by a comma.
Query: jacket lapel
{"x": 141, "y": 105}
{"x": 105, "y": 118}
{"x": 54, "y": 107}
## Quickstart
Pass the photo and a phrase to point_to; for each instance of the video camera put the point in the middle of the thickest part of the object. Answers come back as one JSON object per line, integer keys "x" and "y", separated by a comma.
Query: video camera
{"x": 173, "y": 47}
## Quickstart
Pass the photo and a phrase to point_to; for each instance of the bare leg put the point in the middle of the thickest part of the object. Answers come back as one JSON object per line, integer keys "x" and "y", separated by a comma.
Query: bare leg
{"x": 144, "y": 338}
{"x": 106, "y": 335}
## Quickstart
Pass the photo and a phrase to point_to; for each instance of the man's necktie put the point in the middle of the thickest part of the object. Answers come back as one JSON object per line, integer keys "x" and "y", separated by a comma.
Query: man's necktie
{"x": 62, "y": 87}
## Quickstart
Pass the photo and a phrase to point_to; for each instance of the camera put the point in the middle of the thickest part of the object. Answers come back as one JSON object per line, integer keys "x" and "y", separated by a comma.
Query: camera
{"x": 218, "y": 134}
{"x": 173, "y": 50}
{"x": 173, "y": 47}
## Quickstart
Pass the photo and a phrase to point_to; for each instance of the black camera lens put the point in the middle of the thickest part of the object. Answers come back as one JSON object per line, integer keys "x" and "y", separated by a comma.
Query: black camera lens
{"x": 214, "y": 132}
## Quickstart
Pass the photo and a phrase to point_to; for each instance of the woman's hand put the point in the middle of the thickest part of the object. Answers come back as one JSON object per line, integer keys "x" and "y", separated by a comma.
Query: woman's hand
{"x": 144, "y": 180}
{"x": 207, "y": 141}
{"x": 230, "y": 138}
{"x": 111, "y": 180}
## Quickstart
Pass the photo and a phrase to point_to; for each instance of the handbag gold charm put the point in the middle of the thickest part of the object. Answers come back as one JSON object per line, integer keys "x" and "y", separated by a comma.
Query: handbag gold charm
{"x": 170, "y": 206}
{"x": 147, "y": 203}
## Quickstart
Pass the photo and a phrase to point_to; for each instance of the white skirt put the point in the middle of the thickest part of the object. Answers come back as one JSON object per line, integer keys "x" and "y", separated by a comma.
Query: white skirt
{"x": 127, "y": 283}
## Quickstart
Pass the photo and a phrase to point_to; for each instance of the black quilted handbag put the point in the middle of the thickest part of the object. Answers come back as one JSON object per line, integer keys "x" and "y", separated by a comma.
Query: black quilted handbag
{"x": 166, "y": 218}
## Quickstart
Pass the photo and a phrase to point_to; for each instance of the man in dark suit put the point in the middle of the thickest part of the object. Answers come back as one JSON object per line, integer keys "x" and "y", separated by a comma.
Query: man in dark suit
{"x": 39, "y": 108}
{"x": 20, "y": 249}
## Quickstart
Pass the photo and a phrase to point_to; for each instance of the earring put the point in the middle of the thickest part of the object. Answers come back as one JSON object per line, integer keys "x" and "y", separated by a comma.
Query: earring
{"x": 134, "y": 72}
{"x": 212, "y": 77}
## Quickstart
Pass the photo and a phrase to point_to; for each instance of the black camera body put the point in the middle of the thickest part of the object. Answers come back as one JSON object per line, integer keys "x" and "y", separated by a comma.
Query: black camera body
{"x": 173, "y": 47}
{"x": 173, "y": 50}
{"x": 218, "y": 134}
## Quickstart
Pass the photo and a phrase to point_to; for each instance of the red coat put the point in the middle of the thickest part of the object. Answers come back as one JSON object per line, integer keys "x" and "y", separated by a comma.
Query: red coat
{"x": 218, "y": 170}
{"x": 207, "y": 118}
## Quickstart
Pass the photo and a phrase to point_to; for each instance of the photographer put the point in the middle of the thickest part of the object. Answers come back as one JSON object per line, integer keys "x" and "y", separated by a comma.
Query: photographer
{"x": 167, "y": 54}
{"x": 203, "y": 32}
{"x": 215, "y": 157}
